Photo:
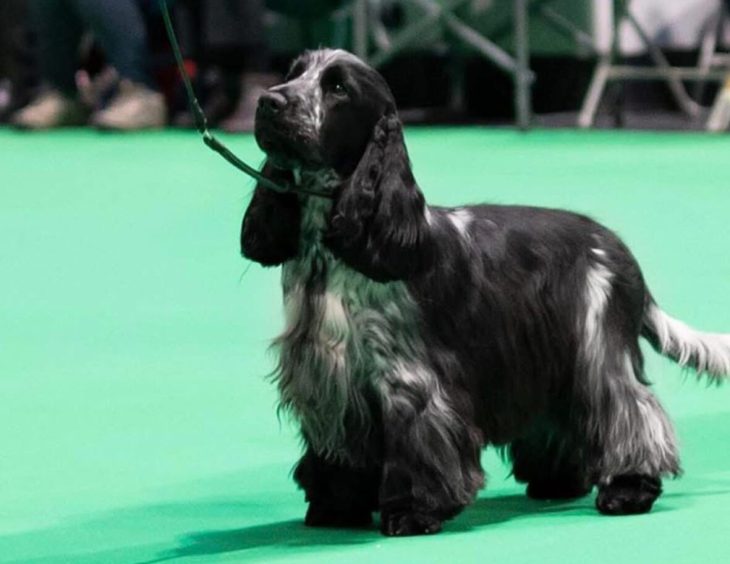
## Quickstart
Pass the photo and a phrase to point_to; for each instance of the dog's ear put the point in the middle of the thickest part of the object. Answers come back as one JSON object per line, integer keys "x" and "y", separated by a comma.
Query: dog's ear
{"x": 270, "y": 229}
{"x": 378, "y": 224}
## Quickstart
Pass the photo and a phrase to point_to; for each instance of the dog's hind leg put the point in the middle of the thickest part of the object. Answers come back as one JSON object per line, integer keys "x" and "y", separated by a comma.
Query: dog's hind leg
{"x": 338, "y": 495}
{"x": 630, "y": 440}
{"x": 634, "y": 442}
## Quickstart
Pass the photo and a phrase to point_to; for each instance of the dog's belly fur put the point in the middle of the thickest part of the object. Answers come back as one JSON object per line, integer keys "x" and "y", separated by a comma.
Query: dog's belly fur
{"x": 343, "y": 332}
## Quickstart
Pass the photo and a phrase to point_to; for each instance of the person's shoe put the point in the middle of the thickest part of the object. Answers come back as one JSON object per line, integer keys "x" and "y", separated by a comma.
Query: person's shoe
{"x": 253, "y": 85}
{"x": 97, "y": 89}
{"x": 49, "y": 110}
{"x": 134, "y": 107}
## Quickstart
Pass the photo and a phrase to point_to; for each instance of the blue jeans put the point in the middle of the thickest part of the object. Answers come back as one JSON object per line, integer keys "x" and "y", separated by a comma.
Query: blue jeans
{"x": 118, "y": 26}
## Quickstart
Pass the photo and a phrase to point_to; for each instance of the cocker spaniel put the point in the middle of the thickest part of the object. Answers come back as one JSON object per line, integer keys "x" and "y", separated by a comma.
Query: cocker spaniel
{"x": 416, "y": 335}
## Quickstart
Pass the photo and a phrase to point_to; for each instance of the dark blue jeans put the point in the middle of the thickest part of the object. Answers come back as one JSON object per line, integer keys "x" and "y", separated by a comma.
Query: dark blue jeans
{"x": 118, "y": 26}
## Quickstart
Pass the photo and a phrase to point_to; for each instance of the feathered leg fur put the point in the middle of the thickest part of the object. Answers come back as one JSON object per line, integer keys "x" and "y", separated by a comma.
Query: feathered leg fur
{"x": 631, "y": 441}
{"x": 431, "y": 454}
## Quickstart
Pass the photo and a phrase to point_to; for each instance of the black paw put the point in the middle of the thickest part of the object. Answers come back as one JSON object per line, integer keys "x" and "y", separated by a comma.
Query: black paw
{"x": 628, "y": 495}
{"x": 403, "y": 524}
{"x": 320, "y": 515}
{"x": 558, "y": 489}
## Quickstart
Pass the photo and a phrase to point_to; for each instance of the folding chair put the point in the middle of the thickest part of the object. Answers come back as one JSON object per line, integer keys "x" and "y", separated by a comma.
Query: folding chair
{"x": 608, "y": 69}
{"x": 443, "y": 15}
{"x": 710, "y": 58}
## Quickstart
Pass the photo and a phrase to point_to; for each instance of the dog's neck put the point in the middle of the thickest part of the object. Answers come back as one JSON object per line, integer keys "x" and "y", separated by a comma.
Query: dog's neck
{"x": 320, "y": 179}
{"x": 316, "y": 210}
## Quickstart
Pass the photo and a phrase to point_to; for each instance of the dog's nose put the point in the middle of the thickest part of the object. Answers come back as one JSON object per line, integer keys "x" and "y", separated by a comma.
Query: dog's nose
{"x": 272, "y": 102}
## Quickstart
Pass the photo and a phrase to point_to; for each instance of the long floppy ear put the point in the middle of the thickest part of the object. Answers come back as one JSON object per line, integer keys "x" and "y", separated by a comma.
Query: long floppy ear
{"x": 378, "y": 224}
{"x": 270, "y": 229}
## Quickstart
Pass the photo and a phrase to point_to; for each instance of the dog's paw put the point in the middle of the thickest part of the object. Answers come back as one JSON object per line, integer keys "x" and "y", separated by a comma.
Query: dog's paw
{"x": 322, "y": 515}
{"x": 628, "y": 495}
{"x": 402, "y": 524}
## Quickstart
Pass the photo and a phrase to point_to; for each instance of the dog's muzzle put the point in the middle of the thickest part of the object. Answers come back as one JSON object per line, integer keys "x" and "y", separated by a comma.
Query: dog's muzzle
{"x": 270, "y": 104}
{"x": 280, "y": 133}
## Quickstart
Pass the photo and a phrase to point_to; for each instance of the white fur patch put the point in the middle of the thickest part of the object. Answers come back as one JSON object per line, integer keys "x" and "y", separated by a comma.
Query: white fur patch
{"x": 334, "y": 312}
{"x": 629, "y": 423}
{"x": 656, "y": 429}
{"x": 461, "y": 219}
{"x": 340, "y": 339}
{"x": 429, "y": 216}
{"x": 706, "y": 352}
{"x": 597, "y": 294}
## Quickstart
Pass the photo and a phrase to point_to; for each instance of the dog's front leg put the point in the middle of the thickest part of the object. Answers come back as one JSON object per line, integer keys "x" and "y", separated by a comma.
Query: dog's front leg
{"x": 338, "y": 495}
{"x": 431, "y": 464}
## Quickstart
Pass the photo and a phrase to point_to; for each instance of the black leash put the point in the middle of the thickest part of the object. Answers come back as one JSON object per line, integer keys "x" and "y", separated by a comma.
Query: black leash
{"x": 201, "y": 123}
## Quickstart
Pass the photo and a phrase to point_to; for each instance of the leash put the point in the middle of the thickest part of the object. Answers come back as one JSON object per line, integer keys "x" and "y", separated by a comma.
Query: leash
{"x": 201, "y": 122}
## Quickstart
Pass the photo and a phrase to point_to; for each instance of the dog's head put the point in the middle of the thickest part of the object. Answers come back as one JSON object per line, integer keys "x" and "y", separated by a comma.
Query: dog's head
{"x": 336, "y": 114}
{"x": 323, "y": 114}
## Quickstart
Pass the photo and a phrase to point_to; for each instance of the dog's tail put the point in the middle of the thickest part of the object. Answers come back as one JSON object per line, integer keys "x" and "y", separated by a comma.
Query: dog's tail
{"x": 707, "y": 353}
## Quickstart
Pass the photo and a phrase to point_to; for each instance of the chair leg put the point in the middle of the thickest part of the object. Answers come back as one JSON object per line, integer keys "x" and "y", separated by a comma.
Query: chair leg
{"x": 517, "y": 67}
{"x": 687, "y": 104}
{"x": 587, "y": 113}
{"x": 719, "y": 119}
{"x": 708, "y": 46}
{"x": 523, "y": 102}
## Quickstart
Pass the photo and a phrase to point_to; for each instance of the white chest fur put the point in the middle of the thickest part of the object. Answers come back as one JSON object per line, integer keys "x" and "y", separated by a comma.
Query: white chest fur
{"x": 343, "y": 331}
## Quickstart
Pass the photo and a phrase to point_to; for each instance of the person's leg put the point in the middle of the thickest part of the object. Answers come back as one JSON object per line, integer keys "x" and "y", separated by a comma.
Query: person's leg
{"x": 17, "y": 58}
{"x": 119, "y": 27}
{"x": 235, "y": 41}
{"x": 58, "y": 30}
{"x": 7, "y": 16}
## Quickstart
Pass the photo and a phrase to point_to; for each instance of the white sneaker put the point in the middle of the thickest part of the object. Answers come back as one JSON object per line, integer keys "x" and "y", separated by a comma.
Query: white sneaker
{"x": 134, "y": 107}
{"x": 50, "y": 109}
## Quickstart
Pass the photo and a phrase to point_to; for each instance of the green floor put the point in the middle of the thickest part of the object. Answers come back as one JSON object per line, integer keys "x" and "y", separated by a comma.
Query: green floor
{"x": 135, "y": 421}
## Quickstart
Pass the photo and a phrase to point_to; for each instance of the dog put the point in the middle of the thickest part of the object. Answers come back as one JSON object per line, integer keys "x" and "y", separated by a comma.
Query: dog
{"x": 417, "y": 335}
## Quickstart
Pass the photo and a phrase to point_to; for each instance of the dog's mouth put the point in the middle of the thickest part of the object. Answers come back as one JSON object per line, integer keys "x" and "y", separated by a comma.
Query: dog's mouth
{"x": 285, "y": 145}
{"x": 294, "y": 153}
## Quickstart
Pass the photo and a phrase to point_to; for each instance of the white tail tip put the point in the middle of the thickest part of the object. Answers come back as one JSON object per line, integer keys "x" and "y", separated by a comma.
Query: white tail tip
{"x": 707, "y": 353}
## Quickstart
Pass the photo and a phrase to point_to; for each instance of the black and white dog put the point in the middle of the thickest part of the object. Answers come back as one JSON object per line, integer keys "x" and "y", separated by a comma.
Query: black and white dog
{"x": 416, "y": 335}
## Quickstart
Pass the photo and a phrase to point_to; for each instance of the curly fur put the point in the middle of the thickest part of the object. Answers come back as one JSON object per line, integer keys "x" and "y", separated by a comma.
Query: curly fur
{"x": 416, "y": 335}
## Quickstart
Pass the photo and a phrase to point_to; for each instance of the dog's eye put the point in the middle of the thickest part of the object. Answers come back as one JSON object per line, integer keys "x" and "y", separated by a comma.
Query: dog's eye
{"x": 338, "y": 88}
{"x": 334, "y": 82}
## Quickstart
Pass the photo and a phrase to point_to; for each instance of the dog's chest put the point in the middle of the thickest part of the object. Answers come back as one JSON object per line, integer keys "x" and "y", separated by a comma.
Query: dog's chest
{"x": 343, "y": 331}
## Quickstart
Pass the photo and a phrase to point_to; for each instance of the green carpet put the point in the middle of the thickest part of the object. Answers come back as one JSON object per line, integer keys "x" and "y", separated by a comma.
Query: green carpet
{"x": 136, "y": 424}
